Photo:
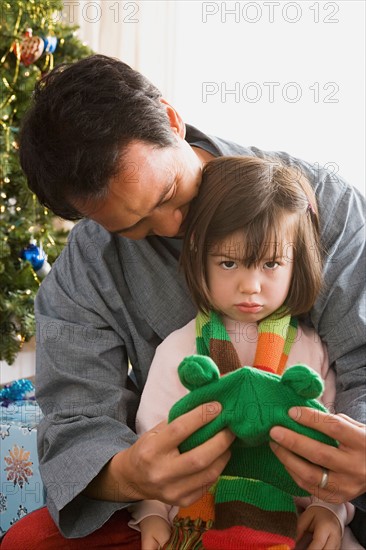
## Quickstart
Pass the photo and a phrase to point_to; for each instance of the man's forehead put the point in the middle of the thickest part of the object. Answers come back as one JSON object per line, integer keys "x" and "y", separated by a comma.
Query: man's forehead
{"x": 141, "y": 159}
{"x": 141, "y": 183}
{"x": 141, "y": 154}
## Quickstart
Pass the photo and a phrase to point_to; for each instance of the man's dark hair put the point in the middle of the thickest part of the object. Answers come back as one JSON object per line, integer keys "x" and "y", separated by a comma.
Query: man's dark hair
{"x": 83, "y": 117}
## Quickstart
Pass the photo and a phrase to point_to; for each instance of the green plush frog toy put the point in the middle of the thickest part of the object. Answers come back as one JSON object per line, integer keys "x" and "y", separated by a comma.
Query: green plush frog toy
{"x": 254, "y": 505}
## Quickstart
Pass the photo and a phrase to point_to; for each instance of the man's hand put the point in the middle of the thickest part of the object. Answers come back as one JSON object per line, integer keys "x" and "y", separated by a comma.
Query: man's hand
{"x": 153, "y": 468}
{"x": 346, "y": 464}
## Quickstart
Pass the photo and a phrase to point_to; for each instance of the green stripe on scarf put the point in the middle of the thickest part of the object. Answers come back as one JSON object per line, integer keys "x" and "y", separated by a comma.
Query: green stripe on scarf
{"x": 257, "y": 493}
{"x": 209, "y": 327}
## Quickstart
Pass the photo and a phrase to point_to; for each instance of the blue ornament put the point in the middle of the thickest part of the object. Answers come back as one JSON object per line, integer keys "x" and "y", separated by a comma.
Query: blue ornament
{"x": 37, "y": 258}
{"x": 50, "y": 44}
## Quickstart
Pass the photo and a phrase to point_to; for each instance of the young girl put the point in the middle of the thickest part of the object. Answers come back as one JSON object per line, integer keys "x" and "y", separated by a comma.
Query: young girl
{"x": 251, "y": 252}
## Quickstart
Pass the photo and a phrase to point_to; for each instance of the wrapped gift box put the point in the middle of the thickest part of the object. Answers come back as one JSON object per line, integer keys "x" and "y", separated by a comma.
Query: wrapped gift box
{"x": 21, "y": 489}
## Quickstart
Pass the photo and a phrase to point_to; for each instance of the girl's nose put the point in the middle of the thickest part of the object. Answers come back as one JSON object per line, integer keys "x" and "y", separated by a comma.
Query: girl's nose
{"x": 250, "y": 282}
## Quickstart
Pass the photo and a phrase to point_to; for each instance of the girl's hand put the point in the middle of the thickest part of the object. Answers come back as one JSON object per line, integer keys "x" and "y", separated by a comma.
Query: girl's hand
{"x": 155, "y": 532}
{"x": 326, "y": 529}
{"x": 305, "y": 458}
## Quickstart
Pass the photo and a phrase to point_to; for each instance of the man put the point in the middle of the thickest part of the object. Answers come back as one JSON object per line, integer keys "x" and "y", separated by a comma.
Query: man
{"x": 101, "y": 144}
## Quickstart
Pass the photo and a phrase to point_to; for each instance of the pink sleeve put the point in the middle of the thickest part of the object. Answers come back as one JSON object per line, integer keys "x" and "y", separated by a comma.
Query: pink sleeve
{"x": 145, "y": 508}
{"x": 163, "y": 387}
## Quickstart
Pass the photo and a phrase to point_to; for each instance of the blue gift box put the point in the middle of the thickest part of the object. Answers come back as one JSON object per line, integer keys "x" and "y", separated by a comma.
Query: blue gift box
{"x": 21, "y": 488}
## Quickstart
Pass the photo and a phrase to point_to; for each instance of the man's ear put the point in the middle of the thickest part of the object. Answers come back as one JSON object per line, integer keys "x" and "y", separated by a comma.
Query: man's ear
{"x": 196, "y": 371}
{"x": 176, "y": 122}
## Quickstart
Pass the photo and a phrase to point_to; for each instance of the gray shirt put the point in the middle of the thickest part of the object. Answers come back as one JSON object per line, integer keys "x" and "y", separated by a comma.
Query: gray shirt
{"x": 109, "y": 300}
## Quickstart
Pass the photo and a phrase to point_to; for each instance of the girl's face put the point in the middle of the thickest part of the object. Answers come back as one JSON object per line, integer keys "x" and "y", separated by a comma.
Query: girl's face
{"x": 248, "y": 294}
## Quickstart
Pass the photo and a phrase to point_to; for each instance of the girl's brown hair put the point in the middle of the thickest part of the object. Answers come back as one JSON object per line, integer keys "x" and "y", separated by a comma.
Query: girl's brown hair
{"x": 254, "y": 195}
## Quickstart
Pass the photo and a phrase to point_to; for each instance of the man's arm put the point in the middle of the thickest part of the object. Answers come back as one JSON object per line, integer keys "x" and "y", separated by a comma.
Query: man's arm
{"x": 82, "y": 387}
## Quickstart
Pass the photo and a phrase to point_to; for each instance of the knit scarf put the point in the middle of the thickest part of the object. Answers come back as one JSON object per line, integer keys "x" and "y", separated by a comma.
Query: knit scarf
{"x": 239, "y": 513}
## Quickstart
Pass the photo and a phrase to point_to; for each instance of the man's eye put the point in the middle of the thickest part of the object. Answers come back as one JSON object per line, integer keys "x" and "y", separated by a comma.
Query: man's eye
{"x": 227, "y": 264}
{"x": 271, "y": 265}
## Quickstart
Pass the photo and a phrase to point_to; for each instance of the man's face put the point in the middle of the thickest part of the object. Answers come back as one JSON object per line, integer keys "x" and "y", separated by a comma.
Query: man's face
{"x": 151, "y": 195}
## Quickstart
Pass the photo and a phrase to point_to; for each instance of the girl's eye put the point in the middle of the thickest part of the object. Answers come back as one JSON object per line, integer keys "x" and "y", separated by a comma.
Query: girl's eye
{"x": 227, "y": 264}
{"x": 271, "y": 265}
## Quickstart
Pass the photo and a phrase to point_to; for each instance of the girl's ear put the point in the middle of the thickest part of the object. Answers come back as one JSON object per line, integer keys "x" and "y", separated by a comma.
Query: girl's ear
{"x": 176, "y": 122}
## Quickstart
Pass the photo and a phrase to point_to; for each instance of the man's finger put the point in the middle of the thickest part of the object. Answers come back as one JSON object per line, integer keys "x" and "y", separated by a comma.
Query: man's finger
{"x": 202, "y": 456}
{"x": 159, "y": 427}
{"x": 337, "y": 426}
{"x": 308, "y": 476}
{"x": 208, "y": 459}
{"x": 188, "y": 487}
{"x": 352, "y": 420}
{"x": 310, "y": 449}
{"x": 308, "y": 473}
{"x": 184, "y": 426}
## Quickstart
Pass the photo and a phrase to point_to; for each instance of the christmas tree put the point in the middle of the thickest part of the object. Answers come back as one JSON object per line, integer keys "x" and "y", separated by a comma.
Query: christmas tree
{"x": 33, "y": 40}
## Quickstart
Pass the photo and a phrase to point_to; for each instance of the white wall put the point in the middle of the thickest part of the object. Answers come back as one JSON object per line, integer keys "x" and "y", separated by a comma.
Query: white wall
{"x": 297, "y": 69}
{"x": 325, "y": 61}
{"x": 23, "y": 366}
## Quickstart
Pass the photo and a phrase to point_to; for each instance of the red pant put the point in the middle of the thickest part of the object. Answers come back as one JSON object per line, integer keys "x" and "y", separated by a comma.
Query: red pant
{"x": 37, "y": 531}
